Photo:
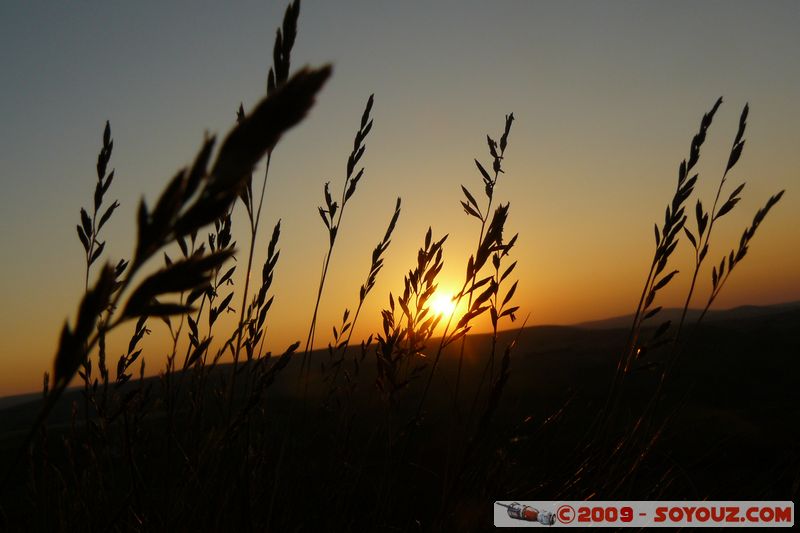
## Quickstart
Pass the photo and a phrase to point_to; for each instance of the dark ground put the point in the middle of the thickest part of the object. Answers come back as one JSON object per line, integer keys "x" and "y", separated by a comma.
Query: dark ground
{"x": 734, "y": 430}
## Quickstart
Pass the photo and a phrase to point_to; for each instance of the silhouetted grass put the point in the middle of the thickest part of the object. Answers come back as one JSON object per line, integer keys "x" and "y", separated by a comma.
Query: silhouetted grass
{"x": 331, "y": 214}
{"x": 382, "y": 436}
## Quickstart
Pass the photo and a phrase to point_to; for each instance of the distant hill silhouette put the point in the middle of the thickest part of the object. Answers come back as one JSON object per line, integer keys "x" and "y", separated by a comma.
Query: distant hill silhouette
{"x": 10, "y": 401}
{"x": 674, "y": 314}
{"x": 562, "y": 350}
{"x": 549, "y": 339}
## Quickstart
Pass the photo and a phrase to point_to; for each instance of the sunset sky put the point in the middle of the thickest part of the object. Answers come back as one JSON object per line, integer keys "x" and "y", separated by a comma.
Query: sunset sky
{"x": 607, "y": 96}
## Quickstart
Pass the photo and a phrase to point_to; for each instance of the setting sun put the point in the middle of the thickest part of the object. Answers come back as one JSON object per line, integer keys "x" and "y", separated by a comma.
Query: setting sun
{"x": 443, "y": 304}
{"x": 304, "y": 250}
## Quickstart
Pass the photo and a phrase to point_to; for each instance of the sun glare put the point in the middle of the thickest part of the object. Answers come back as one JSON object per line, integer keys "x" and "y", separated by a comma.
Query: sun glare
{"x": 443, "y": 304}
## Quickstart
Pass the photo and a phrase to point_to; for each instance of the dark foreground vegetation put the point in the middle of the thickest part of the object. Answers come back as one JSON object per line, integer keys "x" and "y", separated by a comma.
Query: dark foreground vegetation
{"x": 403, "y": 430}
{"x": 732, "y": 436}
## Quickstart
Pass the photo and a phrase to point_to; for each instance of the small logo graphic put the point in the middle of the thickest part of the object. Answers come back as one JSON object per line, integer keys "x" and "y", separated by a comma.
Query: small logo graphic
{"x": 518, "y": 511}
{"x": 565, "y": 514}
{"x": 642, "y": 513}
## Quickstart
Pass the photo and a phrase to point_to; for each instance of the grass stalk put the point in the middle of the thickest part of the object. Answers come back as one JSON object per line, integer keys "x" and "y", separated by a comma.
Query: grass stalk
{"x": 331, "y": 215}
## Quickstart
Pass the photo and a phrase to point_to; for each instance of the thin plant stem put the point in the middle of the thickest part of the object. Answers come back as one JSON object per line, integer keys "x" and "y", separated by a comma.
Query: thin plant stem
{"x": 253, "y": 233}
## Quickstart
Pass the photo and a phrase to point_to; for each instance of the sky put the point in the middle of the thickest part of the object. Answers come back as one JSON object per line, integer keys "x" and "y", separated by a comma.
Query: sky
{"x": 606, "y": 95}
